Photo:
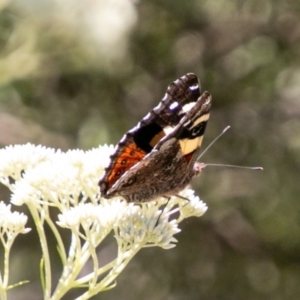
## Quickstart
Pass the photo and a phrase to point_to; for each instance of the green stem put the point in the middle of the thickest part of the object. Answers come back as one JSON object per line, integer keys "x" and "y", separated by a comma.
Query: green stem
{"x": 4, "y": 281}
{"x": 3, "y": 295}
{"x": 58, "y": 238}
{"x": 69, "y": 268}
{"x": 6, "y": 266}
{"x": 74, "y": 265}
{"x": 45, "y": 251}
{"x": 113, "y": 274}
{"x": 104, "y": 269}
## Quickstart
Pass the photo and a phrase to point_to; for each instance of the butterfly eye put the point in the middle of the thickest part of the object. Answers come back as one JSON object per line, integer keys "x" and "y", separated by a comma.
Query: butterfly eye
{"x": 130, "y": 181}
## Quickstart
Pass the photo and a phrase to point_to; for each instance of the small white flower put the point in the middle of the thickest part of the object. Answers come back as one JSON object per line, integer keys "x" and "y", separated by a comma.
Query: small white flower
{"x": 138, "y": 226}
{"x": 193, "y": 206}
{"x": 84, "y": 214}
{"x": 12, "y": 223}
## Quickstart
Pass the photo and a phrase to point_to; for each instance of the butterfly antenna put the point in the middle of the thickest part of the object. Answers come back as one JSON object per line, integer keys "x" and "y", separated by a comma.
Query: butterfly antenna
{"x": 233, "y": 166}
{"x": 224, "y": 165}
{"x": 213, "y": 141}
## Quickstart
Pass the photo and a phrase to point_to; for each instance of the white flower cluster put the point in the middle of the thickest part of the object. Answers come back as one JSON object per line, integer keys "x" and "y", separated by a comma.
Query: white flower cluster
{"x": 193, "y": 207}
{"x": 68, "y": 180}
{"x": 145, "y": 226}
{"x": 63, "y": 180}
{"x": 43, "y": 178}
{"x": 95, "y": 220}
{"x": 11, "y": 223}
{"x": 16, "y": 159}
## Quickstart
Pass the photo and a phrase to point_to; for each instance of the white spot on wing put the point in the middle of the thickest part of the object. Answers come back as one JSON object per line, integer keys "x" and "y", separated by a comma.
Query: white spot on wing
{"x": 158, "y": 107}
{"x": 165, "y": 97}
{"x": 123, "y": 139}
{"x": 194, "y": 87}
{"x": 188, "y": 106}
{"x": 147, "y": 116}
{"x": 168, "y": 129}
{"x": 174, "y": 105}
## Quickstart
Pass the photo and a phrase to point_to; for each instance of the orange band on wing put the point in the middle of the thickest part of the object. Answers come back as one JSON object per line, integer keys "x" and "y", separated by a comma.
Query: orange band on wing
{"x": 129, "y": 156}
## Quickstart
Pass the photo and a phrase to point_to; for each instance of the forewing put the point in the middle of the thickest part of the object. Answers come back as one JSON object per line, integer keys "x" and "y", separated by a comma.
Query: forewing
{"x": 140, "y": 140}
{"x": 169, "y": 167}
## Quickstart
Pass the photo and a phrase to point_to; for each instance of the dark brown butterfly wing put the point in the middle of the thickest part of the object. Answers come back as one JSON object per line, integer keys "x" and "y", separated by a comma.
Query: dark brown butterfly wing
{"x": 140, "y": 140}
{"x": 169, "y": 167}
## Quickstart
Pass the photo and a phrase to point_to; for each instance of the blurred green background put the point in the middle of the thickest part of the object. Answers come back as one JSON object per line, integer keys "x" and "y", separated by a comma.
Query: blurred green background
{"x": 76, "y": 74}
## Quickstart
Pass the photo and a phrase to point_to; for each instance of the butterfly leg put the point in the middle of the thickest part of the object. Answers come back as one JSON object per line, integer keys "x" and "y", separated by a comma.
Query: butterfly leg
{"x": 168, "y": 199}
{"x": 181, "y": 197}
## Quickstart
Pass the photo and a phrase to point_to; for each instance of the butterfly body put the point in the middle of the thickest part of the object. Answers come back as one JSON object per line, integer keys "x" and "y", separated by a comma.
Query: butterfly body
{"x": 157, "y": 157}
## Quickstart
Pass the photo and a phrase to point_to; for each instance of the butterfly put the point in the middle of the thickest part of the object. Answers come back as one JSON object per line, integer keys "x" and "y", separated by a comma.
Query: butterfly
{"x": 158, "y": 156}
